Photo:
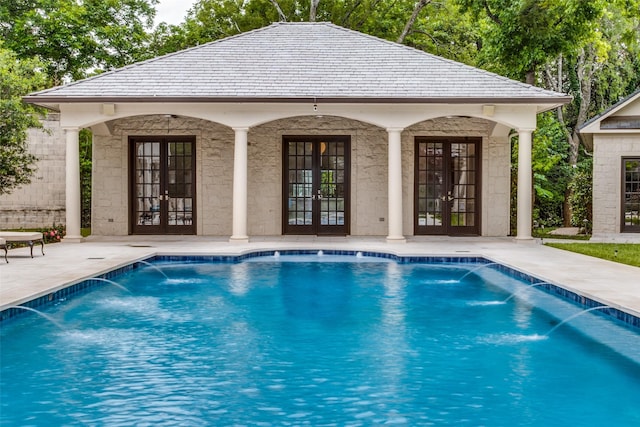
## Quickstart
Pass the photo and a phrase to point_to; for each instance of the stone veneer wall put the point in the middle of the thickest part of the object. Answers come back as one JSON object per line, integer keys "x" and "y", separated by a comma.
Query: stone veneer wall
{"x": 608, "y": 151}
{"x": 214, "y": 174}
{"x": 368, "y": 172}
{"x": 496, "y": 170}
{"x": 41, "y": 203}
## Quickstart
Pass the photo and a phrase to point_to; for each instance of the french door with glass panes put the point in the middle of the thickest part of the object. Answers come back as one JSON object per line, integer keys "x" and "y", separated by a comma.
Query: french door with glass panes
{"x": 162, "y": 185}
{"x": 631, "y": 195}
{"x": 447, "y": 186}
{"x": 316, "y": 185}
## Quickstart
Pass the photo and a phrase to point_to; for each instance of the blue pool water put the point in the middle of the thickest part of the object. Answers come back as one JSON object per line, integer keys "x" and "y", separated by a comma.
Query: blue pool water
{"x": 267, "y": 342}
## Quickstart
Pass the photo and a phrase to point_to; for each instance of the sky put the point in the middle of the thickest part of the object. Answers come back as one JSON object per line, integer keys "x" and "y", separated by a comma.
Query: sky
{"x": 172, "y": 11}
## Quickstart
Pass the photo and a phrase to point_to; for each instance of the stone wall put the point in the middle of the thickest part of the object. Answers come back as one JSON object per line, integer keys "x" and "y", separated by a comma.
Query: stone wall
{"x": 608, "y": 151}
{"x": 214, "y": 172}
{"x": 496, "y": 170}
{"x": 368, "y": 172}
{"x": 41, "y": 203}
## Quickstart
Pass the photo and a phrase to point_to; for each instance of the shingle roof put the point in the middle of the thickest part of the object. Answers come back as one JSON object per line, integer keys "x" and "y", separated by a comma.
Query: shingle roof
{"x": 612, "y": 109}
{"x": 288, "y": 61}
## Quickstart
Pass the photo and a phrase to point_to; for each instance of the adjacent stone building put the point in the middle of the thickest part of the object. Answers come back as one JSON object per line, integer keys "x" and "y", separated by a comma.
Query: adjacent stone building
{"x": 300, "y": 128}
{"x": 41, "y": 203}
{"x": 615, "y": 138}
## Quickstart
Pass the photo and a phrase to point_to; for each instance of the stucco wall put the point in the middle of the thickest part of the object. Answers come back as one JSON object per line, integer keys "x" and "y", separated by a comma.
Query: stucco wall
{"x": 214, "y": 172}
{"x": 608, "y": 151}
{"x": 41, "y": 203}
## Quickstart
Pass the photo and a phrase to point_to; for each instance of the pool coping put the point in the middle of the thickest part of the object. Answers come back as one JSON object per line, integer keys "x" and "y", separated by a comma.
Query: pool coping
{"x": 620, "y": 315}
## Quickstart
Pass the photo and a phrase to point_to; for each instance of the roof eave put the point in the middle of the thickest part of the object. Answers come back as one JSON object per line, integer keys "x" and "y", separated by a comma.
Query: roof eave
{"x": 47, "y": 101}
{"x": 593, "y": 125}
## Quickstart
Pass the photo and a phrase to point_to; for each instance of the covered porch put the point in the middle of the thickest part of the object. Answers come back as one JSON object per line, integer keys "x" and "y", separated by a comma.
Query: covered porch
{"x": 423, "y": 143}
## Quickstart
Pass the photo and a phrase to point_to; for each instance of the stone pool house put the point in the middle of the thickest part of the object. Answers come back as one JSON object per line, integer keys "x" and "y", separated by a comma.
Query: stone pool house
{"x": 300, "y": 129}
{"x": 614, "y": 136}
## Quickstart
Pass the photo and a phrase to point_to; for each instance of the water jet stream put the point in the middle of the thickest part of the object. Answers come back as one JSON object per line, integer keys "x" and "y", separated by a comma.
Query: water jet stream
{"x": 574, "y": 316}
{"x": 155, "y": 267}
{"x": 41, "y": 314}
{"x": 111, "y": 282}
{"x": 476, "y": 269}
{"x": 518, "y": 292}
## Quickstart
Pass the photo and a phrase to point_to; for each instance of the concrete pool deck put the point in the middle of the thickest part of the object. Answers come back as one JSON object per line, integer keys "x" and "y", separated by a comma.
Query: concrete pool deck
{"x": 26, "y": 278}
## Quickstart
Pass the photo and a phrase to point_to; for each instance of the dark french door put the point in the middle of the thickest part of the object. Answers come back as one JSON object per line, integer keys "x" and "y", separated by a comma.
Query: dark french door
{"x": 447, "y": 186}
{"x": 316, "y": 185}
{"x": 631, "y": 195}
{"x": 162, "y": 185}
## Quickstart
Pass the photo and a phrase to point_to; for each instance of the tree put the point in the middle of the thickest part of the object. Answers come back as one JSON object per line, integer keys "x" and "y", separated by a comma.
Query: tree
{"x": 520, "y": 36}
{"x": 598, "y": 73}
{"x": 17, "y": 78}
{"x": 73, "y": 38}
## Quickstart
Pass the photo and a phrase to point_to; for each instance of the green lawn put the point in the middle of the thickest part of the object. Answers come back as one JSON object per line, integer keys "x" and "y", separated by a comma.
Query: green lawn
{"x": 628, "y": 253}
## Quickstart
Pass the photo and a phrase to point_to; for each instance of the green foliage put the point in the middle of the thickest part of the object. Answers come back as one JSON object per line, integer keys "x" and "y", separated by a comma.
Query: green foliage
{"x": 581, "y": 195}
{"x": 550, "y": 171}
{"x": 85, "y": 141}
{"x": 73, "y": 37}
{"x": 623, "y": 253}
{"x": 17, "y": 78}
{"x": 618, "y": 50}
{"x": 521, "y": 35}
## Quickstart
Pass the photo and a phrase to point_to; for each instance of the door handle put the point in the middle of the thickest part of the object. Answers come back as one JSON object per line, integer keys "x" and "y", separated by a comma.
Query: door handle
{"x": 447, "y": 198}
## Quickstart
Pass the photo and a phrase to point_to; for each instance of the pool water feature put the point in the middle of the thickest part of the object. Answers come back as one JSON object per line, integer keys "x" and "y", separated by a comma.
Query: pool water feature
{"x": 308, "y": 340}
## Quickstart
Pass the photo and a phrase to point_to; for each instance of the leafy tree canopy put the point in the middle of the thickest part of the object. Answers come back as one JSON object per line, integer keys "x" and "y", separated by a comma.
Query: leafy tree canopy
{"x": 17, "y": 77}
{"x": 75, "y": 37}
{"x": 522, "y": 35}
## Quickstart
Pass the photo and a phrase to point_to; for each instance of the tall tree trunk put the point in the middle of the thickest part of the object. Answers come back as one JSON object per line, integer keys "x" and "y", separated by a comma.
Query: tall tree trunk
{"x": 281, "y": 14}
{"x": 586, "y": 66}
{"x": 530, "y": 76}
{"x": 313, "y": 10}
{"x": 416, "y": 11}
{"x": 556, "y": 83}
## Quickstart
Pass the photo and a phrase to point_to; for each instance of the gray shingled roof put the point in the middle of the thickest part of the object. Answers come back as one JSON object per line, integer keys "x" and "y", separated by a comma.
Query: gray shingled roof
{"x": 289, "y": 61}
{"x": 610, "y": 109}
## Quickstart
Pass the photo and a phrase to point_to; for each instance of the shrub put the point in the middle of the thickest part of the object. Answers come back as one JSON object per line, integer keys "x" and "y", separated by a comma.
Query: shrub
{"x": 53, "y": 234}
{"x": 581, "y": 195}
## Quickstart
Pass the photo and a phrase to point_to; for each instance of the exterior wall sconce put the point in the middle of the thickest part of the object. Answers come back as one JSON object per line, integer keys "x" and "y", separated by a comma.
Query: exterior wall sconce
{"x": 488, "y": 110}
{"x": 108, "y": 109}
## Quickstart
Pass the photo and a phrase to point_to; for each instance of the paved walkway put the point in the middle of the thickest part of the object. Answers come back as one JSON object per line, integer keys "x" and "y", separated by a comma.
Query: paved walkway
{"x": 25, "y": 278}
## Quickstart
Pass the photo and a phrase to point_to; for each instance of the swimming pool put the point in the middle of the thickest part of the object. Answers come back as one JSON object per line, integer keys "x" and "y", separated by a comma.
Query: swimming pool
{"x": 316, "y": 340}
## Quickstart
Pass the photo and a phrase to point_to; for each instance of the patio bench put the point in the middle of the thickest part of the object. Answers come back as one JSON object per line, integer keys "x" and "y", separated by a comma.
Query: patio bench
{"x": 3, "y": 245}
{"x": 13, "y": 237}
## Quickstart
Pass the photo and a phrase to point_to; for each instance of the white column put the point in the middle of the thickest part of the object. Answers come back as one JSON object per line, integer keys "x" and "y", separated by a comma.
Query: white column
{"x": 72, "y": 186}
{"x": 525, "y": 185}
{"x": 240, "y": 187}
{"x": 395, "y": 186}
